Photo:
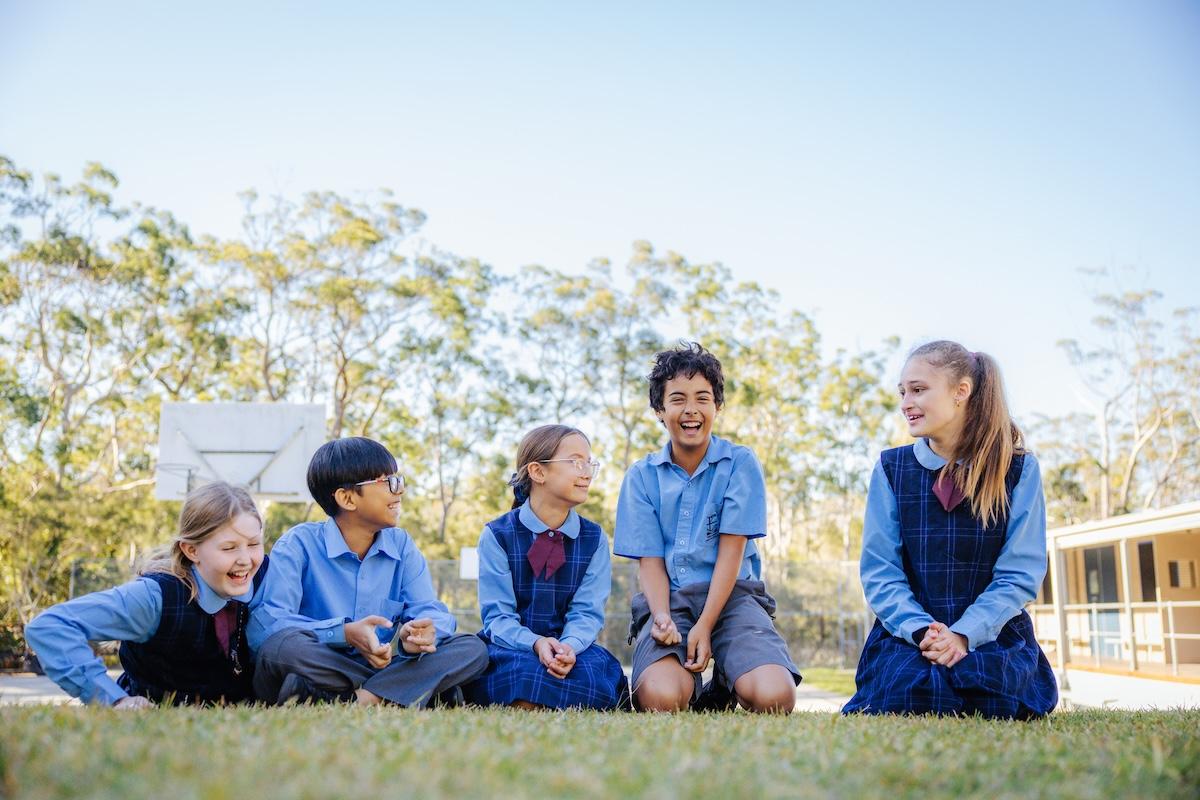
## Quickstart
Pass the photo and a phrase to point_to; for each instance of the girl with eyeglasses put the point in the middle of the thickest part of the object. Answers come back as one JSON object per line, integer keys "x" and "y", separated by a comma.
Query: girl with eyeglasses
{"x": 544, "y": 578}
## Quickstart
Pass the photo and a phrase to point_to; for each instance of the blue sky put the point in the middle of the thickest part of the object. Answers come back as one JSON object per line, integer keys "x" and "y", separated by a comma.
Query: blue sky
{"x": 925, "y": 170}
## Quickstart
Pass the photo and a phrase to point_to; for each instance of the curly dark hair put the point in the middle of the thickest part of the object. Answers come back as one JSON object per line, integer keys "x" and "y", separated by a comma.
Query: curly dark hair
{"x": 687, "y": 359}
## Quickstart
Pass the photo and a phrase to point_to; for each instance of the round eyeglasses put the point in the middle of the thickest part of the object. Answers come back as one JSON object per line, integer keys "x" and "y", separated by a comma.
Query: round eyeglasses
{"x": 589, "y": 468}
{"x": 394, "y": 482}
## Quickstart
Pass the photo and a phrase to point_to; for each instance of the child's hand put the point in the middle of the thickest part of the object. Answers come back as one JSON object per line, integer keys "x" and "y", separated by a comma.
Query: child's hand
{"x": 546, "y": 649}
{"x": 664, "y": 631}
{"x": 564, "y": 659}
{"x": 946, "y": 648}
{"x": 930, "y": 636}
{"x": 418, "y": 636}
{"x": 132, "y": 703}
{"x": 360, "y": 634}
{"x": 699, "y": 648}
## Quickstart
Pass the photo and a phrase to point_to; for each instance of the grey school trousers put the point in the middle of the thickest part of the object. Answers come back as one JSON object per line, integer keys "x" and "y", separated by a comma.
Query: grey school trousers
{"x": 405, "y": 682}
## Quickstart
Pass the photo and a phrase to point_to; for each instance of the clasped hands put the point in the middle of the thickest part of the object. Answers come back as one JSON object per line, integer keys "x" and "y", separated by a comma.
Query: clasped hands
{"x": 943, "y": 646}
{"x": 556, "y": 657}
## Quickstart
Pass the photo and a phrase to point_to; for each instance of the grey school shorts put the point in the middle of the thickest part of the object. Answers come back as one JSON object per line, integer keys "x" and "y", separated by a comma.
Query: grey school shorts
{"x": 743, "y": 638}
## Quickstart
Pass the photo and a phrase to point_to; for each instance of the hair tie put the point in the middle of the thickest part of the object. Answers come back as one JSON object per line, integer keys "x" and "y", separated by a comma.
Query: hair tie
{"x": 519, "y": 492}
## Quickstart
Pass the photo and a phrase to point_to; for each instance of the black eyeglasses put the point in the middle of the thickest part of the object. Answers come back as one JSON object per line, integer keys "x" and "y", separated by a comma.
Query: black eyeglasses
{"x": 395, "y": 483}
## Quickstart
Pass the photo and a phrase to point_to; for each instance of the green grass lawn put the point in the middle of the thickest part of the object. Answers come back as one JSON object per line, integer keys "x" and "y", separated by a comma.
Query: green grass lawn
{"x": 49, "y": 752}
{"x": 839, "y": 681}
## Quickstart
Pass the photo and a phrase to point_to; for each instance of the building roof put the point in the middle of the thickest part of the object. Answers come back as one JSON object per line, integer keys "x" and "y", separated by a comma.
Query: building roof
{"x": 1173, "y": 519}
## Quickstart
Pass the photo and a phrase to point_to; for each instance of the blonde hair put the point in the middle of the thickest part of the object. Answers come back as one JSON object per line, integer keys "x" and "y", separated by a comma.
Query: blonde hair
{"x": 540, "y": 444}
{"x": 984, "y": 452}
{"x": 204, "y": 511}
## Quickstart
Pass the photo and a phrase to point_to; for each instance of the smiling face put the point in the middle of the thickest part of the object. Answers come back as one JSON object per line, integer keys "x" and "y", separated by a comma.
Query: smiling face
{"x": 932, "y": 405}
{"x": 373, "y": 504}
{"x": 560, "y": 480}
{"x": 229, "y": 557}
{"x": 689, "y": 410}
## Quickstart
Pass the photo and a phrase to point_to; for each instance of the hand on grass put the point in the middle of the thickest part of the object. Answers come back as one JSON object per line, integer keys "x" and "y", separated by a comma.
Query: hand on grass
{"x": 360, "y": 634}
{"x": 945, "y": 647}
{"x": 418, "y": 636}
{"x": 699, "y": 648}
{"x": 664, "y": 631}
{"x": 132, "y": 703}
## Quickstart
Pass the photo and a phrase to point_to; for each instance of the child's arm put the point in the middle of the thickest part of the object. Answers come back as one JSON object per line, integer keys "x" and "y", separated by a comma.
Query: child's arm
{"x": 282, "y": 591}
{"x": 418, "y": 596}
{"x": 730, "y": 549}
{"x": 637, "y": 535}
{"x": 497, "y": 601}
{"x": 60, "y": 636}
{"x": 656, "y": 586}
{"x": 882, "y": 565}
{"x": 1020, "y": 567}
{"x": 585, "y": 614}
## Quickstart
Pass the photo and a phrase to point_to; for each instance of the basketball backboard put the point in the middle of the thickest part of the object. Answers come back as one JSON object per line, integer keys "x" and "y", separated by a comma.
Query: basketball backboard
{"x": 263, "y": 446}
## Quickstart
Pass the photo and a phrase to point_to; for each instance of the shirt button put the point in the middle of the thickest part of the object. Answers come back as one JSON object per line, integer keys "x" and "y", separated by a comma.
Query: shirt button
{"x": 687, "y": 513}
{"x": 681, "y": 541}
{"x": 551, "y": 534}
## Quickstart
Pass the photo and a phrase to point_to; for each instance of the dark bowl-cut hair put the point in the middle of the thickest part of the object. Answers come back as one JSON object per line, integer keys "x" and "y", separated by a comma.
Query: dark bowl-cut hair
{"x": 342, "y": 463}
{"x": 687, "y": 359}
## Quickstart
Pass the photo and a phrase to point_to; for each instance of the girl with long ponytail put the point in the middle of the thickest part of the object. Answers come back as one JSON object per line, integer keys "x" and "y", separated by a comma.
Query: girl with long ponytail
{"x": 954, "y": 547}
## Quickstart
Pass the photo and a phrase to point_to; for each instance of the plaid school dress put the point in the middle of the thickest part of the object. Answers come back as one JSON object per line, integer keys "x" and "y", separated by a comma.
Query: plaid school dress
{"x": 948, "y": 559}
{"x": 597, "y": 680}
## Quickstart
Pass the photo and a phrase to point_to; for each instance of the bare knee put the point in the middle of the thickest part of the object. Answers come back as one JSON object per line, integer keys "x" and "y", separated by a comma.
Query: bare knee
{"x": 665, "y": 687}
{"x": 769, "y": 689}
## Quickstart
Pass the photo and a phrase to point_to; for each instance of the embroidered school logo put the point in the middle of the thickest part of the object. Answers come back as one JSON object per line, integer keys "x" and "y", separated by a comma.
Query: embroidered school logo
{"x": 712, "y": 523}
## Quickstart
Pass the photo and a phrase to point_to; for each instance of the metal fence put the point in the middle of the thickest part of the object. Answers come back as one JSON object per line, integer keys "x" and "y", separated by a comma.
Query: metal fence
{"x": 820, "y": 609}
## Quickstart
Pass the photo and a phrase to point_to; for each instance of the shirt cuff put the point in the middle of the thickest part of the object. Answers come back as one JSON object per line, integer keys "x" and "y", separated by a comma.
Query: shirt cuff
{"x": 972, "y": 633}
{"x": 907, "y": 629}
{"x": 333, "y": 633}
{"x": 575, "y": 643}
{"x": 106, "y": 691}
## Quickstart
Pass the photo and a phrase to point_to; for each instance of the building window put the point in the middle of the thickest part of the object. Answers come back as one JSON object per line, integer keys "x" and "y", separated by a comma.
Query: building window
{"x": 1146, "y": 569}
{"x": 1182, "y": 574}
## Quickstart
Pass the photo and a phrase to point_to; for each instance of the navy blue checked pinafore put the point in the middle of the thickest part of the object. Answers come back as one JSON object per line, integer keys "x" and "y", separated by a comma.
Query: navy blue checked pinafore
{"x": 597, "y": 680}
{"x": 949, "y": 558}
{"x": 183, "y": 661}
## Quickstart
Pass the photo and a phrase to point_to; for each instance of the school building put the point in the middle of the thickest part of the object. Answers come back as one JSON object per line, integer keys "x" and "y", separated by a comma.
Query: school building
{"x": 1122, "y": 597}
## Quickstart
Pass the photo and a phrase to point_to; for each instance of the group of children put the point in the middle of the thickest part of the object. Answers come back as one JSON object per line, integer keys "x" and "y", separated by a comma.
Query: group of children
{"x": 345, "y": 610}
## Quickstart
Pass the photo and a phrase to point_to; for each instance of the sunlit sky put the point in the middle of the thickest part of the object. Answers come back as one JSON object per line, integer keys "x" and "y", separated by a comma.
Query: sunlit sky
{"x": 921, "y": 169}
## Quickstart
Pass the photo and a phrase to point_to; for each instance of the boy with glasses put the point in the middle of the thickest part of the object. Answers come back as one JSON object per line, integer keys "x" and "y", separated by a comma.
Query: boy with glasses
{"x": 349, "y": 611}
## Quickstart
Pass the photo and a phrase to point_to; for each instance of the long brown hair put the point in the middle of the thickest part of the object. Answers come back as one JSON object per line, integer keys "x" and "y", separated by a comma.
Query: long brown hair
{"x": 204, "y": 511}
{"x": 540, "y": 444}
{"x": 989, "y": 438}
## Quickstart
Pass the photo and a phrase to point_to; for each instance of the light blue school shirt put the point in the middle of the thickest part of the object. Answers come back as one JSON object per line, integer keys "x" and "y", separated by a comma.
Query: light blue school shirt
{"x": 665, "y": 513}
{"x": 1018, "y": 573}
{"x": 126, "y": 613}
{"x": 317, "y": 583}
{"x": 498, "y": 601}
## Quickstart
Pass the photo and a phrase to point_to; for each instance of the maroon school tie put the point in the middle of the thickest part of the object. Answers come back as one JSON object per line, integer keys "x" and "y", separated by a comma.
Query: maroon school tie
{"x": 225, "y": 621}
{"x": 547, "y": 552}
{"x": 947, "y": 492}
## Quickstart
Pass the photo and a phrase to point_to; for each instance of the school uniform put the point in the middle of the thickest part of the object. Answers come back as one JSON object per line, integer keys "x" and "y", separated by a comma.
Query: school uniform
{"x": 173, "y": 648}
{"x": 535, "y": 581}
{"x": 928, "y": 558}
{"x": 665, "y": 513}
{"x": 317, "y": 584}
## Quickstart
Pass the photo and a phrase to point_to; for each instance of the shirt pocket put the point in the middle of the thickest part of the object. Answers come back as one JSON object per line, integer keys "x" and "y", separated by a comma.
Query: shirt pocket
{"x": 393, "y": 610}
{"x": 711, "y": 521}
